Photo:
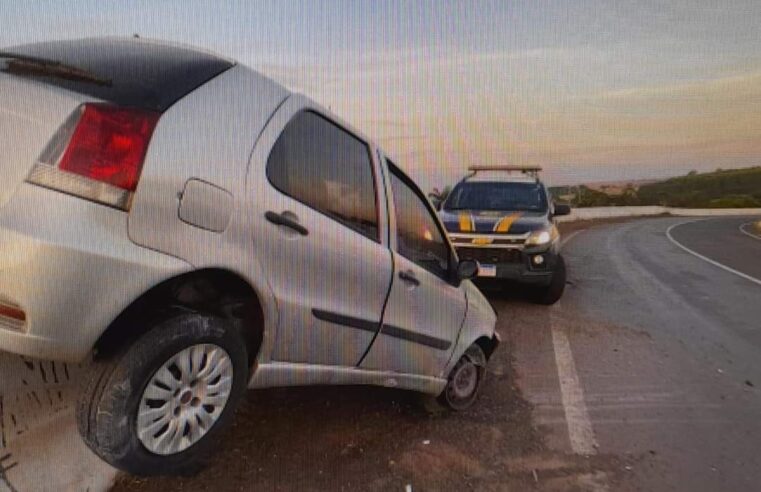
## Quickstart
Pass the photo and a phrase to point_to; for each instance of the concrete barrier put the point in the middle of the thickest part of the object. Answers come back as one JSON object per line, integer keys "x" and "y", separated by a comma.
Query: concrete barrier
{"x": 591, "y": 213}
{"x": 40, "y": 448}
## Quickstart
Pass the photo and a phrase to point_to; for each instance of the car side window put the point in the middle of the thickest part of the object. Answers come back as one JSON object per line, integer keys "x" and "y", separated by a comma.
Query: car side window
{"x": 419, "y": 239}
{"x": 328, "y": 169}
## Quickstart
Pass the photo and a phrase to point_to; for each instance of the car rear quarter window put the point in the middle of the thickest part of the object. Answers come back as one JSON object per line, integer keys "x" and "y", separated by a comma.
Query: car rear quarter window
{"x": 327, "y": 168}
{"x": 418, "y": 236}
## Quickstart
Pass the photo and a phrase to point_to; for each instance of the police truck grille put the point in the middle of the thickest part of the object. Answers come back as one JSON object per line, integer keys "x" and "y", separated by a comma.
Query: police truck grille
{"x": 489, "y": 256}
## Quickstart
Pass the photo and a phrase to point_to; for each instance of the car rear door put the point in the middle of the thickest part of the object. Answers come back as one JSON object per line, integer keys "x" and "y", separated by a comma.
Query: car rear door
{"x": 424, "y": 312}
{"x": 320, "y": 236}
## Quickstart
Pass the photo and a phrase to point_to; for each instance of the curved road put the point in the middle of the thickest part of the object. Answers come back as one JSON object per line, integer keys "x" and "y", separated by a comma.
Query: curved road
{"x": 663, "y": 318}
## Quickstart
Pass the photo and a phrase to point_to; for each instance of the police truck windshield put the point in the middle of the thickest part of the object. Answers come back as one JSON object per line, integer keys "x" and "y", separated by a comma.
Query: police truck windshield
{"x": 497, "y": 196}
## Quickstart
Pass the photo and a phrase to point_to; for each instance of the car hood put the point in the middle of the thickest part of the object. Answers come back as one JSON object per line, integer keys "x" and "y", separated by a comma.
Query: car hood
{"x": 493, "y": 222}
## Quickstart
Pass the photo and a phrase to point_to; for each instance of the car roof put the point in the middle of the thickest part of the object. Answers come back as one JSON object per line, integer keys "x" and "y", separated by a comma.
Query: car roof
{"x": 132, "y": 72}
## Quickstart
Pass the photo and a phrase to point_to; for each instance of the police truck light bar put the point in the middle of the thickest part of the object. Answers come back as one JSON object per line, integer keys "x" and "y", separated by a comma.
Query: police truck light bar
{"x": 527, "y": 169}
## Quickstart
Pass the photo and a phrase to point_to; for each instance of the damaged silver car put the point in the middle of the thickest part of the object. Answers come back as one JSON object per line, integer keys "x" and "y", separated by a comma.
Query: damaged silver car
{"x": 195, "y": 229}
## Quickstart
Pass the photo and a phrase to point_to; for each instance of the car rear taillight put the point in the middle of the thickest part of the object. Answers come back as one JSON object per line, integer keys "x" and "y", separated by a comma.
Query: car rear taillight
{"x": 11, "y": 315}
{"x": 98, "y": 154}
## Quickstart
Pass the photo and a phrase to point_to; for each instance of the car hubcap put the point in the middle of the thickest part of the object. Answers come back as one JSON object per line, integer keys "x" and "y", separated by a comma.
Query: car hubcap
{"x": 465, "y": 381}
{"x": 184, "y": 399}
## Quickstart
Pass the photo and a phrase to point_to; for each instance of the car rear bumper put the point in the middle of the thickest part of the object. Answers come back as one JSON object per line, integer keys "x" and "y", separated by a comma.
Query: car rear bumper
{"x": 69, "y": 265}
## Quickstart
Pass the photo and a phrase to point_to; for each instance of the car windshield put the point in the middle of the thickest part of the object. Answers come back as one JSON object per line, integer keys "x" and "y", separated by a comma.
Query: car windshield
{"x": 497, "y": 196}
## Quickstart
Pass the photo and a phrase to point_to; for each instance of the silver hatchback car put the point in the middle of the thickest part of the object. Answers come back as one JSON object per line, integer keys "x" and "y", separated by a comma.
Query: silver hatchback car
{"x": 195, "y": 229}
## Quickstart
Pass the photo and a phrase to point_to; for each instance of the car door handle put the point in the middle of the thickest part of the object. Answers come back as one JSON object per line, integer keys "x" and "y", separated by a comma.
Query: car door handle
{"x": 285, "y": 221}
{"x": 409, "y": 277}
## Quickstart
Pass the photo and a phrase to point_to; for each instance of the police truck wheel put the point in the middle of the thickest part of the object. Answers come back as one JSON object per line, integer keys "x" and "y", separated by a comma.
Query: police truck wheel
{"x": 158, "y": 407}
{"x": 553, "y": 292}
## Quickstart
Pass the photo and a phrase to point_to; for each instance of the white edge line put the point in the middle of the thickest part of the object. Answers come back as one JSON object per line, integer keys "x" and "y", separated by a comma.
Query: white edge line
{"x": 704, "y": 258}
{"x": 742, "y": 229}
{"x": 570, "y": 236}
{"x": 580, "y": 430}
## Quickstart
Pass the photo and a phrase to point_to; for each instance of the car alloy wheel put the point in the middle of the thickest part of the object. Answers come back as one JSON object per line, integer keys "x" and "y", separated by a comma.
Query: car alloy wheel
{"x": 184, "y": 399}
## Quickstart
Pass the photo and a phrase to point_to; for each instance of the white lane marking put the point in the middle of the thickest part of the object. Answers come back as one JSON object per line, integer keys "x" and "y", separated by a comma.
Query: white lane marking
{"x": 571, "y": 236}
{"x": 577, "y": 417}
{"x": 705, "y": 258}
{"x": 580, "y": 431}
{"x": 744, "y": 231}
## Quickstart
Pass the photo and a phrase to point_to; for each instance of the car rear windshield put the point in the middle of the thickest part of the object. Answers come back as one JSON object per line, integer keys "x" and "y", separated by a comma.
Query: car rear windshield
{"x": 127, "y": 72}
{"x": 497, "y": 196}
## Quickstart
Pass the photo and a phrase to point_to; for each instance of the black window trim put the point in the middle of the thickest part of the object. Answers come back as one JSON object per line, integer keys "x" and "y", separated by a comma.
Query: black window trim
{"x": 372, "y": 168}
{"x": 452, "y": 257}
{"x": 387, "y": 193}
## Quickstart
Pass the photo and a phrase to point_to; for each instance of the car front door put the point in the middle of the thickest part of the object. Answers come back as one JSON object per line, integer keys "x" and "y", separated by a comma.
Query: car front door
{"x": 320, "y": 237}
{"x": 425, "y": 311}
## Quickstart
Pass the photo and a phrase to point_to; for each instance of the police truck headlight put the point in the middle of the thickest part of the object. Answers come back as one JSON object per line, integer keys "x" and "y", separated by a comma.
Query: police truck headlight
{"x": 543, "y": 237}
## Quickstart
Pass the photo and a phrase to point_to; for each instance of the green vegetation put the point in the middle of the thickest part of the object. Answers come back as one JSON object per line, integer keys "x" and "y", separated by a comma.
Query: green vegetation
{"x": 720, "y": 189}
{"x": 734, "y": 188}
{"x": 583, "y": 196}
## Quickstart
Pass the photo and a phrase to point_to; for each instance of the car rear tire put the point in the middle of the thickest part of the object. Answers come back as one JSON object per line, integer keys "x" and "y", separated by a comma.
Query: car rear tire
{"x": 158, "y": 406}
{"x": 463, "y": 383}
{"x": 553, "y": 292}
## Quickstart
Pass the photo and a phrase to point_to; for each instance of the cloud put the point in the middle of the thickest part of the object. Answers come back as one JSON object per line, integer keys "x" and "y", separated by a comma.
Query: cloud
{"x": 719, "y": 87}
{"x": 440, "y": 111}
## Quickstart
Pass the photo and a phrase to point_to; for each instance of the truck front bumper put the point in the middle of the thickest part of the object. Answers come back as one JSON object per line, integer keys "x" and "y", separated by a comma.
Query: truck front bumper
{"x": 528, "y": 266}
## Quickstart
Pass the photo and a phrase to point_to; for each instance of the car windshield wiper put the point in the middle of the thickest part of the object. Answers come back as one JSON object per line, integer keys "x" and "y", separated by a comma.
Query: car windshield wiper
{"x": 34, "y": 66}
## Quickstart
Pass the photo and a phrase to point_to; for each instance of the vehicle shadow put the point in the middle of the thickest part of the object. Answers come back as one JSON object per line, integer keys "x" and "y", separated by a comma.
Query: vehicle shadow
{"x": 506, "y": 291}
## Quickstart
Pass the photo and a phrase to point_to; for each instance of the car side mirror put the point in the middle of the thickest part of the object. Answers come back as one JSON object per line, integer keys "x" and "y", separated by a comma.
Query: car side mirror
{"x": 467, "y": 269}
{"x": 562, "y": 209}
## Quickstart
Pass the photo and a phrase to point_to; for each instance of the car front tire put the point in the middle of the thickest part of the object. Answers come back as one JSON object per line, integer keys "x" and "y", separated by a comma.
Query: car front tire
{"x": 158, "y": 406}
{"x": 464, "y": 381}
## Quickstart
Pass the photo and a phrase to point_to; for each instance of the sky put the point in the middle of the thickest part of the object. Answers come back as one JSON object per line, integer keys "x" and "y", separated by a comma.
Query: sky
{"x": 590, "y": 90}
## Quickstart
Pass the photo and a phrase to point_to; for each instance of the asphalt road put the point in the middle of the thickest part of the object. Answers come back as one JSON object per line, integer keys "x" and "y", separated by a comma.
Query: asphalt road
{"x": 663, "y": 317}
{"x": 645, "y": 376}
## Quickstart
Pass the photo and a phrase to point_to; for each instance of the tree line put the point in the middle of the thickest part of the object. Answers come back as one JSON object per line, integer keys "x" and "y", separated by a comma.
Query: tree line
{"x": 734, "y": 188}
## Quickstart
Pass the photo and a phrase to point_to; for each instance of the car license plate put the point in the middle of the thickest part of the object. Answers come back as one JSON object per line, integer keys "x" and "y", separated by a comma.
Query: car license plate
{"x": 487, "y": 270}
